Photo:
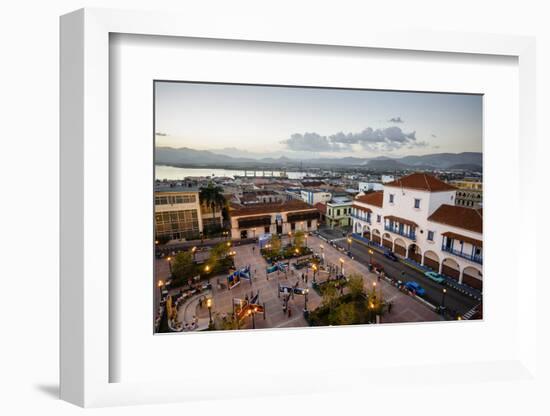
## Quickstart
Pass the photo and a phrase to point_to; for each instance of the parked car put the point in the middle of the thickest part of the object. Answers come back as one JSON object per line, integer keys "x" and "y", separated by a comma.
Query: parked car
{"x": 390, "y": 255}
{"x": 416, "y": 288}
{"x": 436, "y": 277}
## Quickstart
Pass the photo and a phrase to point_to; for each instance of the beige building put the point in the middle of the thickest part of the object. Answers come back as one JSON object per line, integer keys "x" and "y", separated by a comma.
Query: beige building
{"x": 278, "y": 218}
{"x": 469, "y": 193}
{"x": 177, "y": 211}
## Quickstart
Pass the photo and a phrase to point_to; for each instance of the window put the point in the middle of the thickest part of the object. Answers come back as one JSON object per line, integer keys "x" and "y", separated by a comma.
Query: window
{"x": 308, "y": 224}
{"x": 417, "y": 203}
{"x": 338, "y": 212}
{"x": 430, "y": 236}
{"x": 391, "y": 198}
{"x": 266, "y": 230}
{"x": 378, "y": 218}
{"x": 292, "y": 226}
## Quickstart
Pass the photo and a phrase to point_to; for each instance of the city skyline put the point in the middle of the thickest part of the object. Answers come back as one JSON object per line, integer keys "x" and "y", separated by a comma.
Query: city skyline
{"x": 296, "y": 122}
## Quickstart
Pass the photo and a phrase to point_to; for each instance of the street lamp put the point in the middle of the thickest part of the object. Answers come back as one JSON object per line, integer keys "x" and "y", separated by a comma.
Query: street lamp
{"x": 314, "y": 267}
{"x": 160, "y": 284}
{"x": 254, "y": 231}
{"x": 207, "y": 268}
{"x": 305, "y": 299}
{"x": 371, "y": 252}
{"x": 322, "y": 252}
{"x": 443, "y": 298}
{"x": 193, "y": 250}
{"x": 169, "y": 259}
{"x": 341, "y": 266}
{"x": 349, "y": 243}
{"x": 306, "y": 240}
{"x": 209, "y": 306}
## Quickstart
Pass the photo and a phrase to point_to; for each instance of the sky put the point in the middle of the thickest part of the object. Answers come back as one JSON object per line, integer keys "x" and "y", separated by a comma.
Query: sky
{"x": 297, "y": 122}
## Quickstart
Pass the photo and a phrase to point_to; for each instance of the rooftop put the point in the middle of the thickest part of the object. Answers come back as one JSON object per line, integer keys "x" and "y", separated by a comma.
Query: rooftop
{"x": 423, "y": 182}
{"x": 294, "y": 205}
{"x": 372, "y": 198}
{"x": 460, "y": 217}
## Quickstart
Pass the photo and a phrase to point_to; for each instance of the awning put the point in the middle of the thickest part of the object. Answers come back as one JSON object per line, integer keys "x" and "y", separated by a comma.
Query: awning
{"x": 455, "y": 236}
{"x": 248, "y": 222}
{"x": 401, "y": 220}
{"x": 360, "y": 208}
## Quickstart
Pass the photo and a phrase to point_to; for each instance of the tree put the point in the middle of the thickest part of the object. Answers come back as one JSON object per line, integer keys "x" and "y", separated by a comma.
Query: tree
{"x": 299, "y": 238}
{"x": 330, "y": 295}
{"x": 275, "y": 244}
{"x": 212, "y": 197}
{"x": 182, "y": 266}
{"x": 355, "y": 285}
{"x": 344, "y": 314}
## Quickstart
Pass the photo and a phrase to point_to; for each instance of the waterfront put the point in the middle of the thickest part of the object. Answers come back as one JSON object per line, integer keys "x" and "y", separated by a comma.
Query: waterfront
{"x": 175, "y": 173}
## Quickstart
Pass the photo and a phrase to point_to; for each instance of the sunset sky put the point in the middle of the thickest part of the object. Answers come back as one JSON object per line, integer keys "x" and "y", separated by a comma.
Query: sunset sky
{"x": 311, "y": 122}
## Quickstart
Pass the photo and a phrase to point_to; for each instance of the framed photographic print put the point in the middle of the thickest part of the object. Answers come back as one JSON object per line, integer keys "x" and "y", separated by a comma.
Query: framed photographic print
{"x": 321, "y": 207}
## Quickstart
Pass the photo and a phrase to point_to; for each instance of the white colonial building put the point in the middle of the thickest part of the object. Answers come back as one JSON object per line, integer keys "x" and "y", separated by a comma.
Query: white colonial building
{"x": 416, "y": 217}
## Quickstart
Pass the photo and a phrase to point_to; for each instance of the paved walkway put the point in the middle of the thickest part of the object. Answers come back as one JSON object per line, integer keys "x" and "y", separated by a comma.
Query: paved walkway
{"x": 404, "y": 307}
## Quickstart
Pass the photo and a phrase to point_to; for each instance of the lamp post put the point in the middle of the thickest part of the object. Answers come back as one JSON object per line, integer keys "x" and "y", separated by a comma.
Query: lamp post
{"x": 443, "y": 298}
{"x": 371, "y": 252}
{"x": 314, "y": 267}
{"x": 209, "y": 306}
{"x": 322, "y": 252}
{"x": 160, "y": 284}
{"x": 193, "y": 251}
{"x": 306, "y": 240}
{"x": 169, "y": 259}
{"x": 305, "y": 299}
{"x": 341, "y": 266}
{"x": 254, "y": 233}
{"x": 349, "y": 243}
{"x": 207, "y": 268}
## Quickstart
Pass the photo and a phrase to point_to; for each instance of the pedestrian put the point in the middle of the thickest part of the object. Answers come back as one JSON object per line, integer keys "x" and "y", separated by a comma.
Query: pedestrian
{"x": 289, "y": 312}
{"x": 389, "y": 307}
{"x": 253, "y": 249}
{"x": 379, "y": 276}
{"x": 200, "y": 303}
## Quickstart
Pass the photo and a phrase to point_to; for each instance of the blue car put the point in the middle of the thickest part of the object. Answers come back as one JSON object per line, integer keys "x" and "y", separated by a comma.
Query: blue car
{"x": 390, "y": 255}
{"x": 416, "y": 288}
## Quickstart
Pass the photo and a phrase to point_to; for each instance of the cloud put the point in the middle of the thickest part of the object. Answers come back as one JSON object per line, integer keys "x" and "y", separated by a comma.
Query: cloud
{"x": 311, "y": 142}
{"x": 396, "y": 120}
{"x": 386, "y": 139}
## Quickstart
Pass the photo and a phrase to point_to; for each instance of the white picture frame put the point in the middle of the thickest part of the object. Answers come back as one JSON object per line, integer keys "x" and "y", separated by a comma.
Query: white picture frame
{"x": 85, "y": 211}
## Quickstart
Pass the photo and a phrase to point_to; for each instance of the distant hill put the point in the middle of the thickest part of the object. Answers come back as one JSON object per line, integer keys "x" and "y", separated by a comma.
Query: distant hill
{"x": 186, "y": 157}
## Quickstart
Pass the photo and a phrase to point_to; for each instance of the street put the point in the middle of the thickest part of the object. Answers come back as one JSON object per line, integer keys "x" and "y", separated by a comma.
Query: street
{"x": 454, "y": 300}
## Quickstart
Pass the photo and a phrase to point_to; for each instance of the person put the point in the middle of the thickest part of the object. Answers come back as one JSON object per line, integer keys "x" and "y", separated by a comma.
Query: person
{"x": 200, "y": 303}
{"x": 289, "y": 312}
{"x": 389, "y": 307}
{"x": 253, "y": 249}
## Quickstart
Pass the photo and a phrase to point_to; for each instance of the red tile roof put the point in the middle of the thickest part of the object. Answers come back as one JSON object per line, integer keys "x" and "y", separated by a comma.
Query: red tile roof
{"x": 322, "y": 208}
{"x": 423, "y": 182}
{"x": 294, "y": 205}
{"x": 373, "y": 198}
{"x": 460, "y": 217}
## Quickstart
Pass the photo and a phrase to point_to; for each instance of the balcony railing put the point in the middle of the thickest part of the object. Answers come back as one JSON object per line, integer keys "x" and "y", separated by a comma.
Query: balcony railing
{"x": 476, "y": 258}
{"x": 361, "y": 217}
{"x": 411, "y": 234}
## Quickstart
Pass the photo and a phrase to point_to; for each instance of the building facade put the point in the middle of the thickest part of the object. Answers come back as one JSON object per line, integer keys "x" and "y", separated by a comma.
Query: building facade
{"x": 416, "y": 217}
{"x": 469, "y": 193}
{"x": 313, "y": 197}
{"x": 177, "y": 211}
{"x": 338, "y": 212}
{"x": 281, "y": 218}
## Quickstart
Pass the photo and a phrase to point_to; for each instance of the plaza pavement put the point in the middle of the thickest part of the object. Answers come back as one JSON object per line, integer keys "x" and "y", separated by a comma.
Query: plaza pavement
{"x": 404, "y": 307}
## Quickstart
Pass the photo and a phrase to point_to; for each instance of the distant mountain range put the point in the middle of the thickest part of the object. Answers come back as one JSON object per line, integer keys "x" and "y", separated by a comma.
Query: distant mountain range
{"x": 231, "y": 158}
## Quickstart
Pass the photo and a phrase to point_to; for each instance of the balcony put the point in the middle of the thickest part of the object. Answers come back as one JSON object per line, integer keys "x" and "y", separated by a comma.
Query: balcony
{"x": 361, "y": 217}
{"x": 410, "y": 235}
{"x": 472, "y": 257}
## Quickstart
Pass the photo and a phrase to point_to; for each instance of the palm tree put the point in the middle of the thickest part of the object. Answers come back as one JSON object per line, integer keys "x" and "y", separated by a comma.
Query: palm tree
{"x": 212, "y": 197}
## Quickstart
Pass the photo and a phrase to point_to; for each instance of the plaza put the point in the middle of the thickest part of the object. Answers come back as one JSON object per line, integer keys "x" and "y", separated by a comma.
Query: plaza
{"x": 405, "y": 308}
